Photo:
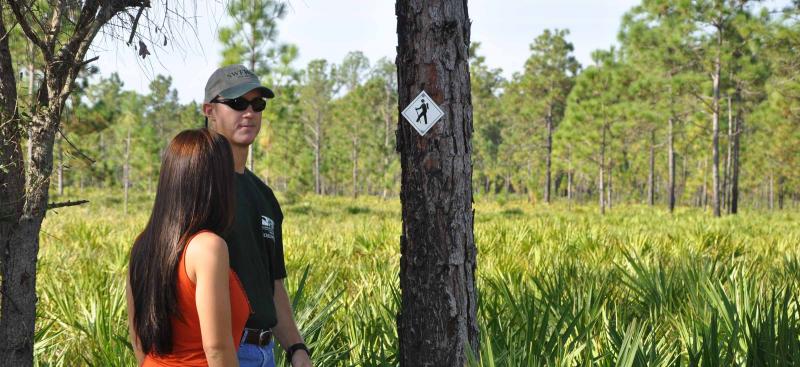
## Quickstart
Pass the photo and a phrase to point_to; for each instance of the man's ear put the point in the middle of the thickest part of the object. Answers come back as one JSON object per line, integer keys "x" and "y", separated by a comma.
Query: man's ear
{"x": 207, "y": 108}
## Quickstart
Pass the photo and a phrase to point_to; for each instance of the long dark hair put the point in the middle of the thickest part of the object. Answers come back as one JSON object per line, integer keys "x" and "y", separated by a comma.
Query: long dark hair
{"x": 195, "y": 192}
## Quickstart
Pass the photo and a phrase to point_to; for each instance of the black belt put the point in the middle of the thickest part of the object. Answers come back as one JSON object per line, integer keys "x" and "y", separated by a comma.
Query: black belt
{"x": 259, "y": 337}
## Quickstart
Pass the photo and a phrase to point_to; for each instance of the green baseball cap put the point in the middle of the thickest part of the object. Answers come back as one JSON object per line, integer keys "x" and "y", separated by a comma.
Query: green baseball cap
{"x": 234, "y": 81}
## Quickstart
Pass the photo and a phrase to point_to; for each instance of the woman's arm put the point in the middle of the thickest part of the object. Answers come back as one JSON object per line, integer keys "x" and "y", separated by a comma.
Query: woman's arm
{"x": 137, "y": 348}
{"x": 207, "y": 265}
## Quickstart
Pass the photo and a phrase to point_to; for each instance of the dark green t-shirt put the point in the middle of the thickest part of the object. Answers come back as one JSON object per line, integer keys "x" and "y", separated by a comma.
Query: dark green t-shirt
{"x": 255, "y": 245}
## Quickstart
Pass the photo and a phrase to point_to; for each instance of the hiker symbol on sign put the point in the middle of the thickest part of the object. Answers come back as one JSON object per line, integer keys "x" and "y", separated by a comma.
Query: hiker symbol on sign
{"x": 422, "y": 113}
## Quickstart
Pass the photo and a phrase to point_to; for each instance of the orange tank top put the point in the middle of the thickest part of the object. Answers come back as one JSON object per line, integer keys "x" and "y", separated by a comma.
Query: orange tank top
{"x": 187, "y": 344}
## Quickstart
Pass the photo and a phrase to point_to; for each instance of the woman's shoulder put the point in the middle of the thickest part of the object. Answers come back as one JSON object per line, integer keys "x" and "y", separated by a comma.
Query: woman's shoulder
{"x": 206, "y": 246}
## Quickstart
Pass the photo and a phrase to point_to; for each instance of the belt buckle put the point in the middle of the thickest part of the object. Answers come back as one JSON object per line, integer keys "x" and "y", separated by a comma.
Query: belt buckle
{"x": 264, "y": 337}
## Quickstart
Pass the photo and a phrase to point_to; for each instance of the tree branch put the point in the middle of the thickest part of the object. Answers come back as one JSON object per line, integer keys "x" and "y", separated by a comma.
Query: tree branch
{"x": 51, "y": 35}
{"x": 26, "y": 28}
{"x": 66, "y": 203}
{"x": 135, "y": 24}
{"x": 9, "y": 31}
{"x": 80, "y": 153}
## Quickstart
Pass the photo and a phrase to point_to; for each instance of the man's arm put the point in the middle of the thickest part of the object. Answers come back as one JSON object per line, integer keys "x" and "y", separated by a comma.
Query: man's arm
{"x": 286, "y": 330}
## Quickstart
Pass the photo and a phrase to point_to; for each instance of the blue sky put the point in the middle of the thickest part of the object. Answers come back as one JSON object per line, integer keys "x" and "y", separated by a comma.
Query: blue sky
{"x": 329, "y": 29}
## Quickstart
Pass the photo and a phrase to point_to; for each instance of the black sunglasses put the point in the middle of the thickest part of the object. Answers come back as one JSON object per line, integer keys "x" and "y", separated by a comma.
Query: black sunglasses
{"x": 240, "y": 104}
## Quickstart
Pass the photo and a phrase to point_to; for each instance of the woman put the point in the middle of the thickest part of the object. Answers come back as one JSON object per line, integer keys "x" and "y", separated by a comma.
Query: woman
{"x": 185, "y": 306}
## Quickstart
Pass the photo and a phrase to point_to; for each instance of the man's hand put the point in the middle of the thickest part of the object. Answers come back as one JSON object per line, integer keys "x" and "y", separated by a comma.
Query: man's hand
{"x": 301, "y": 359}
{"x": 286, "y": 330}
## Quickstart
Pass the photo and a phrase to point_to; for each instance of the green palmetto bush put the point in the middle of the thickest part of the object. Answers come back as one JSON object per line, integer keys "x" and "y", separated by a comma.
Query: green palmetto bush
{"x": 557, "y": 285}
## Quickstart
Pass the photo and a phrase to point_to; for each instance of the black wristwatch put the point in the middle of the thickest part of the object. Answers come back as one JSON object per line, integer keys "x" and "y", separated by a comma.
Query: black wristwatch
{"x": 295, "y": 348}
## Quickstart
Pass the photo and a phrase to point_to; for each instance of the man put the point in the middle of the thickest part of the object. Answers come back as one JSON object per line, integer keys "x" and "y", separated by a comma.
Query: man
{"x": 234, "y": 99}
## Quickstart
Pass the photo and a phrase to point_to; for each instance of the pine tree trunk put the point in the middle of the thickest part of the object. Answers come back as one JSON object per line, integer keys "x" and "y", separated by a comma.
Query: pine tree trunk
{"x": 20, "y": 242}
{"x": 671, "y": 162}
{"x": 610, "y": 202}
{"x": 735, "y": 164}
{"x": 437, "y": 323}
{"x": 601, "y": 187}
{"x": 548, "y": 162}
{"x": 17, "y": 309}
{"x": 651, "y": 177}
{"x": 387, "y": 120}
{"x": 126, "y": 170}
{"x": 31, "y": 87}
{"x": 715, "y": 122}
{"x": 355, "y": 167}
{"x": 60, "y": 168}
{"x": 318, "y": 154}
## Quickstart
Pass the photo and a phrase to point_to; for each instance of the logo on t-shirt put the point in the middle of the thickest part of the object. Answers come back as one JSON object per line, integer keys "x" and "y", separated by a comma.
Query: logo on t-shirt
{"x": 267, "y": 227}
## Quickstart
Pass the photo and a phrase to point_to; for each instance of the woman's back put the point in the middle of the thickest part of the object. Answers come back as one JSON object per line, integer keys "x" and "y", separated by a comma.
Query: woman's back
{"x": 187, "y": 342}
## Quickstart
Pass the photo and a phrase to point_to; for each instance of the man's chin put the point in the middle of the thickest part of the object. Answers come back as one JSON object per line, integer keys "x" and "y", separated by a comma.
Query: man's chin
{"x": 242, "y": 141}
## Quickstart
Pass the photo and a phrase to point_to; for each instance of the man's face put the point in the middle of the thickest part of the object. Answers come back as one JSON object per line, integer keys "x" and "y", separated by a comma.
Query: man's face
{"x": 240, "y": 127}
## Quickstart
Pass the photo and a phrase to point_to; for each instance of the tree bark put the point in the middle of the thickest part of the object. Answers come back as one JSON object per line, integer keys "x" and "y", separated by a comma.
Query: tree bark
{"x": 437, "y": 322}
{"x": 601, "y": 186}
{"x": 317, "y": 144}
{"x": 726, "y": 174}
{"x": 671, "y": 159}
{"x": 126, "y": 170}
{"x": 610, "y": 191}
{"x": 736, "y": 149}
{"x": 16, "y": 321}
{"x": 715, "y": 122}
{"x": 60, "y": 167}
{"x": 651, "y": 176}
{"x": 548, "y": 162}
{"x": 355, "y": 167}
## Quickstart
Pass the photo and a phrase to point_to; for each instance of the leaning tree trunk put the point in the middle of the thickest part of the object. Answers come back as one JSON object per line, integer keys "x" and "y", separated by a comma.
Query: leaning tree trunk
{"x": 437, "y": 322}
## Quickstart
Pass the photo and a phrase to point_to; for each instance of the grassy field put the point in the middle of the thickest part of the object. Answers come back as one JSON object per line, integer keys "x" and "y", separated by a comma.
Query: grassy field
{"x": 558, "y": 285}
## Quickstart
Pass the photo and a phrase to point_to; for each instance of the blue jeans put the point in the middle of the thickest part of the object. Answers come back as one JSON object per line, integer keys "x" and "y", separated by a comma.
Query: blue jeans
{"x": 251, "y": 355}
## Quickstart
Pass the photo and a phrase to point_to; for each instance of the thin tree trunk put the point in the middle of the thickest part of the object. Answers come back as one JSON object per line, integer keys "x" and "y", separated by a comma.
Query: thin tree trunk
{"x": 60, "y": 168}
{"x": 671, "y": 162}
{"x": 31, "y": 95}
{"x": 569, "y": 174}
{"x": 126, "y": 170}
{"x": 318, "y": 154}
{"x": 771, "y": 191}
{"x": 705, "y": 183}
{"x": 651, "y": 177}
{"x": 548, "y": 162}
{"x": 387, "y": 120}
{"x": 715, "y": 122}
{"x": 355, "y": 167}
{"x": 610, "y": 202}
{"x": 737, "y": 134}
{"x": 601, "y": 186}
{"x": 437, "y": 323}
{"x": 728, "y": 159}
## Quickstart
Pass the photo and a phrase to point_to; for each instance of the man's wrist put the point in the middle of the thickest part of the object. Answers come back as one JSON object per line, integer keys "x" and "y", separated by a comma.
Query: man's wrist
{"x": 294, "y": 348}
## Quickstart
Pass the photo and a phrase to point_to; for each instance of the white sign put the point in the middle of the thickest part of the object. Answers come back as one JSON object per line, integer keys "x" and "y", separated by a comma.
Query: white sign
{"x": 422, "y": 113}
